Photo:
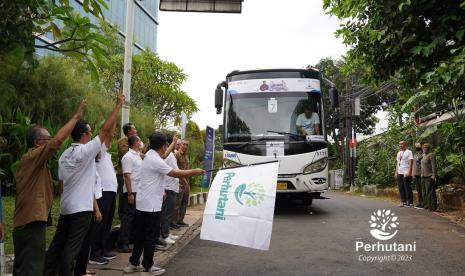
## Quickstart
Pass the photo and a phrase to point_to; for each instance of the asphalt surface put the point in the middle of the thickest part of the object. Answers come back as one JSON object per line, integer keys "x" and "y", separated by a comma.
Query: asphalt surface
{"x": 321, "y": 240}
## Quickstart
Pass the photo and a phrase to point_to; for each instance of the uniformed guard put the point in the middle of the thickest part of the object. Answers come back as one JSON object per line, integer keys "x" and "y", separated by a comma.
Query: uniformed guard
{"x": 428, "y": 177}
{"x": 416, "y": 173}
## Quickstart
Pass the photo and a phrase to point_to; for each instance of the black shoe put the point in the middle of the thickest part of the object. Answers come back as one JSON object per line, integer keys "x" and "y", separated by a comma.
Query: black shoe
{"x": 174, "y": 226}
{"x": 182, "y": 224}
{"x": 160, "y": 242}
{"x": 123, "y": 248}
{"x": 419, "y": 206}
{"x": 109, "y": 255}
{"x": 98, "y": 261}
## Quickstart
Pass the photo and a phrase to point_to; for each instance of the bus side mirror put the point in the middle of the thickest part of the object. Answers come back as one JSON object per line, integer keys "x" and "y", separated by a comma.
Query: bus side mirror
{"x": 334, "y": 97}
{"x": 218, "y": 99}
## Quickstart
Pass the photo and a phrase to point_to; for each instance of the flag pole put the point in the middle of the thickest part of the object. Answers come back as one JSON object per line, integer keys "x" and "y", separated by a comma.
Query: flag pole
{"x": 241, "y": 166}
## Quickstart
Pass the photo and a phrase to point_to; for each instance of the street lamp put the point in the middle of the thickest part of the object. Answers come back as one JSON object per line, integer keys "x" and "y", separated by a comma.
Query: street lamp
{"x": 221, "y": 6}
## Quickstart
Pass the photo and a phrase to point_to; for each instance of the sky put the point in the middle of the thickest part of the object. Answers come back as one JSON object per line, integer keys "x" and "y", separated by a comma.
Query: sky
{"x": 267, "y": 34}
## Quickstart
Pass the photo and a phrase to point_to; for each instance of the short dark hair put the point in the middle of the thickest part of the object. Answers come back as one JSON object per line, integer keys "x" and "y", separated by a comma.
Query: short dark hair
{"x": 132, "y": 140}
{"x": 169, "y": 138}
{"x": 157, "y": 140}
{"x": 79, "y": 129}
{"x": 127, "y": 127}
{"x": 32, "y": 135}
{"x": 309, "y": 107}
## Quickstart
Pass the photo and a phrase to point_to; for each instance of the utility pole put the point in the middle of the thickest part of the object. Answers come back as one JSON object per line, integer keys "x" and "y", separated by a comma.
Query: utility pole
{"x": 127, "y": 61}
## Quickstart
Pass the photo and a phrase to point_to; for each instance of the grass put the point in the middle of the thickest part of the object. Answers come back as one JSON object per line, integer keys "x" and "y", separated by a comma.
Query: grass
{"x": 8, "y": 211}
{"x": 197, "y": 189}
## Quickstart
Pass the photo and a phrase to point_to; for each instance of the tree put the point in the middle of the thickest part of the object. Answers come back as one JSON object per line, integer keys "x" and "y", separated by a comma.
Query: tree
{"x": 155, "y": 86}
{"x": 421, "y": 43}
{"x": 366, "y": 122}
{"x": 22, "y": 21}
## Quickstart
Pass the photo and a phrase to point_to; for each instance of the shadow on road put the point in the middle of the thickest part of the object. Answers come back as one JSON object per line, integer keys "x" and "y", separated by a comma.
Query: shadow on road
{"x": 292, "y": 207}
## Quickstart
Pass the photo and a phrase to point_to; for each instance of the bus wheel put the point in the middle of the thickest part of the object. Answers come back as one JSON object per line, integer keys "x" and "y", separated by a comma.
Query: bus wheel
{"x": 307, "y": 201}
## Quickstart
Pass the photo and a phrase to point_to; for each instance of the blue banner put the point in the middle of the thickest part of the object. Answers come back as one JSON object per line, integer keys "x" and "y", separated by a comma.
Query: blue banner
{"x": 208, "y": 156}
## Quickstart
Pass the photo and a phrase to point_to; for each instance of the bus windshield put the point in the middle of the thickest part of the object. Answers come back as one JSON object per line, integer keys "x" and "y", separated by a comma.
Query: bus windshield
{"x": 250, "y": 116}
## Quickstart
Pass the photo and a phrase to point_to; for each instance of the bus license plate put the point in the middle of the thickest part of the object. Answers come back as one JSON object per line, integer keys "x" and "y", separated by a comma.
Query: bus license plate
{"x": 282, "y": 186}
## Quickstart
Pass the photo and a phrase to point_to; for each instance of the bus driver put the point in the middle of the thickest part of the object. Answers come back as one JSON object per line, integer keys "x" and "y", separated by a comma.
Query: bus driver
{"x": 308, "y": 123}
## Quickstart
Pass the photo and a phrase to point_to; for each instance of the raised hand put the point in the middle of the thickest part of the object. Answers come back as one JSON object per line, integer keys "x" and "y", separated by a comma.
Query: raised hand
{"x": 81, "y": 108}
{"x": 120, "y": 98}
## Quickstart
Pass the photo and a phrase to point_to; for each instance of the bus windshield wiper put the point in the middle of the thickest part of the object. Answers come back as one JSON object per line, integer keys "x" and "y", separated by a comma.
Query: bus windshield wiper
{"x": 251, "y": 141}
{"x": 285, "y": 133}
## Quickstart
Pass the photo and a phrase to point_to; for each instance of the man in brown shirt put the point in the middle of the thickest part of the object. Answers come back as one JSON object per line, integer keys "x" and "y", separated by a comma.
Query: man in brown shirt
{"x": 416, "y": 174}
{"x": 428, "y": 177}
{"x": 184, "y": 185}
{"x": 34, "y": 196}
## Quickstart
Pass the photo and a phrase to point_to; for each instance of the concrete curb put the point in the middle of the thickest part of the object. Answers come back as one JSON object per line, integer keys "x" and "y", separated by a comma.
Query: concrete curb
{"x": 198, "y": 198}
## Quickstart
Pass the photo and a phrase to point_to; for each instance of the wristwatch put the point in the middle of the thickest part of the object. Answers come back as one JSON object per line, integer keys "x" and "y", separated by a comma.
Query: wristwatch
{"x": 130, "y": 193}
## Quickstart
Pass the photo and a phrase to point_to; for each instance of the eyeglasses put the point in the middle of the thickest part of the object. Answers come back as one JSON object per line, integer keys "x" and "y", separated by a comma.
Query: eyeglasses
{"x": 45, "y": 139}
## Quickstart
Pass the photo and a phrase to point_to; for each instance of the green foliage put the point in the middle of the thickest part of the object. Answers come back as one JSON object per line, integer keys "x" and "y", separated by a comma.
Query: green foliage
{"x": 48, "y": 95}
{"x": 155, "y": 87}
{"x": 74, "y": 35}
{"x": 421, "y": 45}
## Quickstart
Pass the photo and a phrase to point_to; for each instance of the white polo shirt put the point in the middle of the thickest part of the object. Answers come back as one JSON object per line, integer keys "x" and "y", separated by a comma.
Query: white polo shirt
{"x": 308, "y": 123}
{"x": 107, "y": 171}
{"x": 403, "y": 158}
{"x": 98, "y": 186}
{"x": 172, "y": 183}
{"x": 76, "y": 167}
{"x": 131, "y": 163}
{"x": 151, "y": 185}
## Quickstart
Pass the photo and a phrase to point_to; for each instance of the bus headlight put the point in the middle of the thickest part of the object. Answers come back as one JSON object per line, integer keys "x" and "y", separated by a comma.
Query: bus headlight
{"x": 316, "y": 166}
{"x": 229, "y": 163}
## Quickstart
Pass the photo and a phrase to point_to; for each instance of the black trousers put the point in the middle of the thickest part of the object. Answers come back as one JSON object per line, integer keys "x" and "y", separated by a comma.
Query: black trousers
{"x": 167, "y": 212}
{"x": 29, "y": 243}
{"x": 126, "y": 229}
{"x": 66, "y": 244}
{"x": 147, "y": 230}
{"x": 101, "y": 241}
{"x": 120, "y": 179}
{"x": 83, "y": 257}
{"x": 405, "y": 188}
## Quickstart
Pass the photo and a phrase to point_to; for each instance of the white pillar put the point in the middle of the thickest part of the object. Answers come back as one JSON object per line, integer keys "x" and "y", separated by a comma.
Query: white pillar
{"x": 127, "y": 61}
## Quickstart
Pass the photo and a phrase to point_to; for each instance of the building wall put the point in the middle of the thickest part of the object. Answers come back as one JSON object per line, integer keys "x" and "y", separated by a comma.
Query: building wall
{"x": 145, "y": 22}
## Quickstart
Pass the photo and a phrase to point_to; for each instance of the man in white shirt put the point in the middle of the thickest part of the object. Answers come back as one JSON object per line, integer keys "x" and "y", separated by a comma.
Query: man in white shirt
{"x": 308, "y": 123}
{"x": 131, "y": 166}
{"x": 403, "y": 174}
{"x": 77, "y": 170}
{"x": 171, "y": 191}
{"x": 148, "y": 205}
{"x": 100, "y": 250}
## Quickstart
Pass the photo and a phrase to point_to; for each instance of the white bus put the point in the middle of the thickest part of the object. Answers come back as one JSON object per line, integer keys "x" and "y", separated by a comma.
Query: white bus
{"x": 277, "y": 114}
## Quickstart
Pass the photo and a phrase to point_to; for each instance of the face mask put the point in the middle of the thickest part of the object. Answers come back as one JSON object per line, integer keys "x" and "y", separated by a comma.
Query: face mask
{"x": 425, "y": 151}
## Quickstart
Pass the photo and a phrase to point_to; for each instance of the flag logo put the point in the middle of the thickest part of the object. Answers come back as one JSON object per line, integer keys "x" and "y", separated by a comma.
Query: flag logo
{"x": 250, "y": 194}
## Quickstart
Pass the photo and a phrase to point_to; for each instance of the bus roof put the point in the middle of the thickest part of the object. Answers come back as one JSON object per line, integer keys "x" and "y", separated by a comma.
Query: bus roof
{"x": 238, "y": 72}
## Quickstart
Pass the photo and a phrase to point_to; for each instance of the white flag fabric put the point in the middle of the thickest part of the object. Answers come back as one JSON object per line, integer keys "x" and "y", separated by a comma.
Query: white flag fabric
{"x": 240, "y": 206}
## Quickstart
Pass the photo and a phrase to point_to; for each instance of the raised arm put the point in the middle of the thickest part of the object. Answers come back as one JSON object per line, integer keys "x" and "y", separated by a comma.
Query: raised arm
{"x": 171, "y": 147}
{"x": 65, "y": 131}
{"x": 108, "y": 125}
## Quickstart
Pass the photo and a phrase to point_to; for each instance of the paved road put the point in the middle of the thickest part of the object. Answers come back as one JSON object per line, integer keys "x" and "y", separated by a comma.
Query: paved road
{"x": 320, "y": 240}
